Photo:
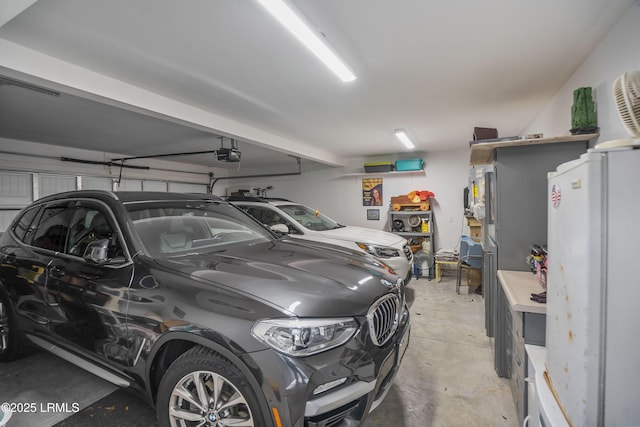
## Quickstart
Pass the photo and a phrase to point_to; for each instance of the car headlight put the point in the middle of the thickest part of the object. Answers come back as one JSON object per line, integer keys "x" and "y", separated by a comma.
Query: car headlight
{"x": 379, "y": 251}
{"x": 304, "y": 337}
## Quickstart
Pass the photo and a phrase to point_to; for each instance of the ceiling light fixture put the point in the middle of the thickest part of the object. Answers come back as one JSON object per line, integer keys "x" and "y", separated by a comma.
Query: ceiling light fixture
{"x": 404, "y": 138}
{"x": 292, "y": 22}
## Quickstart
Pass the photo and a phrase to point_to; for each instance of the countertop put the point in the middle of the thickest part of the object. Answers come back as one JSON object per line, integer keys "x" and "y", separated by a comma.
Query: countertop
{"x": 518, "y": 287}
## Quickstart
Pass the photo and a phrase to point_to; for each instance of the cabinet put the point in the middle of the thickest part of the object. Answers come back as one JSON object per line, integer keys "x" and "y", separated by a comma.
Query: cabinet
{"x": 514, "y": 196}
{"x": 520, "y": 321}
{"x": 417, "y": 227}
{"x": 521, "y": 198}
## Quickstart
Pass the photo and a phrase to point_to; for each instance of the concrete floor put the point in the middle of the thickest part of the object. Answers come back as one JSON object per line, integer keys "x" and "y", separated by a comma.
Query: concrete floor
{"x": 446, "y": 378}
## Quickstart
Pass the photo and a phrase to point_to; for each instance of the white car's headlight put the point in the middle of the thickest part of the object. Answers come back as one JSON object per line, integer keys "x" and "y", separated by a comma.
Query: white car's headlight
{"x": 379, "y": 251}
{"x": 304, "y": 337}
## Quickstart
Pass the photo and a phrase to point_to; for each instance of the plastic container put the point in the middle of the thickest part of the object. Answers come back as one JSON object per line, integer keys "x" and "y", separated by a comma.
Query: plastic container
{"x": 409, "y": 165}
{"x": 378, "y": 167}
{"x": 421, "y": 264}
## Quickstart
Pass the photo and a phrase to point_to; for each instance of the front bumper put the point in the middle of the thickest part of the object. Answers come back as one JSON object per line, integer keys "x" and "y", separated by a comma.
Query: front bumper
{"x": 401, "y": 266}
{"x": 359, "y": 392}
{"x": 369, "y": 372}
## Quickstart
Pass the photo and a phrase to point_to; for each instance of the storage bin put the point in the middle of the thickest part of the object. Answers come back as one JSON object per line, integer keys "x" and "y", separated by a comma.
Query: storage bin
{"x": 378, "y": 167}
{"x": 409, "y": 165}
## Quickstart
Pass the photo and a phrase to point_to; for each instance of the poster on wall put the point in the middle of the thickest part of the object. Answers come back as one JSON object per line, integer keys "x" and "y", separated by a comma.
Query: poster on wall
{"x": 372, "y": 192}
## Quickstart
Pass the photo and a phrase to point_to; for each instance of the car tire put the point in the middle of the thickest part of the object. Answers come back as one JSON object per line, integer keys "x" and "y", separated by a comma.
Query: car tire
{"x": 11, "y": 339}
{"x": 186, "y": 392}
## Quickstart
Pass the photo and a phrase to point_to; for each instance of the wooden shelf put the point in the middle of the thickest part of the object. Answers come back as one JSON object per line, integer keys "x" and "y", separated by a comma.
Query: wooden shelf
{"x": 482, "y": 152}
{"x": 409, "y": 213}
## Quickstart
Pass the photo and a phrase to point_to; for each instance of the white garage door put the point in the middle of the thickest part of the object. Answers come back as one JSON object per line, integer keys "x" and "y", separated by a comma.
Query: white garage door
{"x": 17, "y": 189}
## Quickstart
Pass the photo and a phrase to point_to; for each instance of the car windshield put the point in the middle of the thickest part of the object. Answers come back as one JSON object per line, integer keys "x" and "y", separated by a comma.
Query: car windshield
{"x": 310, "y": 218}
{"x": 177, "y": 228}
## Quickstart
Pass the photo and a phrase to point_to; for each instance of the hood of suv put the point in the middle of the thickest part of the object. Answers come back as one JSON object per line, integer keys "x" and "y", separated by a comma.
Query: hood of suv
{"x": 301, "y": 280}
{"x": 364, "y": 235}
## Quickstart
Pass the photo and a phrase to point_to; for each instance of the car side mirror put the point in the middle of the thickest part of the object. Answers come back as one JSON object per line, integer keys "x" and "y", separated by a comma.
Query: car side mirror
{"x": 97, "y": 251}
{"x": 280, "y": 228}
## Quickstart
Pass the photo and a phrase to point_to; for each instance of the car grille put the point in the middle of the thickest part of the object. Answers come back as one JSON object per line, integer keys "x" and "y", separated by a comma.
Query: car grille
{"x": 407, "y": 252}
{"x": 383, "y": 317}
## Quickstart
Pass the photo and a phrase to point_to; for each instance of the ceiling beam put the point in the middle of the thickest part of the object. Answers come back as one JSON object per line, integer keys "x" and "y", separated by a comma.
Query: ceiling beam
{"x": 63, "y": 76}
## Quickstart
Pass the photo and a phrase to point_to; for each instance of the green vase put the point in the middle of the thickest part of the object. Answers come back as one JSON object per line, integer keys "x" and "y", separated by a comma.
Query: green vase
{"x": 583, "y": 112}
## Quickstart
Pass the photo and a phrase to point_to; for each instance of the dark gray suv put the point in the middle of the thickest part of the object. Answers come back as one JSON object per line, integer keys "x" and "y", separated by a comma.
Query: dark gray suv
{"x": 211, "y": 317}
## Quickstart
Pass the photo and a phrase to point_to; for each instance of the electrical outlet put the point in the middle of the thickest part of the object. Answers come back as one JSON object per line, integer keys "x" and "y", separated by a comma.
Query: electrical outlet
{"x": 450, "y": 219}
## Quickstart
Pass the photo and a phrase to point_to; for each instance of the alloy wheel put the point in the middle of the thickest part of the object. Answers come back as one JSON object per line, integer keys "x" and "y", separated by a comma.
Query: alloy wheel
{"x": 207, "y": 399}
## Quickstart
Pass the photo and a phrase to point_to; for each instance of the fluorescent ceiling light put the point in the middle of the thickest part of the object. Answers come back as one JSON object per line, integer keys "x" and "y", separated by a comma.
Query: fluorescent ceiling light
{"x": 404, "y": 138}
{"x": 302, "y": 32}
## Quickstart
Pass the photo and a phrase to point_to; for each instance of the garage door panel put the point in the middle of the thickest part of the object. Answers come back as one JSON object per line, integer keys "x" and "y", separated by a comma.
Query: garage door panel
{"x": 16, "y": 189}
{"x": 52, "y": 184}
{"x": 130, "y": 185}
{"x": 154, "y": 186}
{"x": 97, "y": 183}
{"x": 6, "y": 216}
{"x": 179, "y": 187}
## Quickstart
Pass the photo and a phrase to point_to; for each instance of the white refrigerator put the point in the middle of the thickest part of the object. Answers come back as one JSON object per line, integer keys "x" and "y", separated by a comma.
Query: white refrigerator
{"x": 593, "y": 291}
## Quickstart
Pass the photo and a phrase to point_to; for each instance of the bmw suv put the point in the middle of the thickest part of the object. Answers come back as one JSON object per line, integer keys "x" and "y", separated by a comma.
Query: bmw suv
{"x": 305, "y": 223}
{"x": 206, "y": 313}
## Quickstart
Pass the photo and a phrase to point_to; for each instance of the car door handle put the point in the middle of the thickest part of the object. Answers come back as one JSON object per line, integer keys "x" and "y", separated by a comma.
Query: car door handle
{"x": 56, "y": 271}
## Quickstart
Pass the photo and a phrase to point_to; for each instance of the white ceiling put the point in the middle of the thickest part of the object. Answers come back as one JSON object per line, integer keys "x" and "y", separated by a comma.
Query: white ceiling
{"x": 435, "y": 68}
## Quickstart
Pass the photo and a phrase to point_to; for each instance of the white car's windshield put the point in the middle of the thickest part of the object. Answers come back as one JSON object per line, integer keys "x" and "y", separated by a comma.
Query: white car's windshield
{"x": 310, "y": 218}
{"x": 175, "y": 228}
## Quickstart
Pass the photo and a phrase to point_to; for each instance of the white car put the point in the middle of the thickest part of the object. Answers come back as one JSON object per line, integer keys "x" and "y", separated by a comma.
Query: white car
{"x": 303, "y": 222}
